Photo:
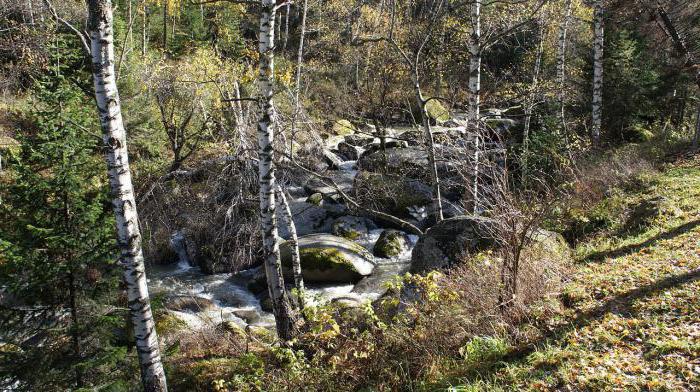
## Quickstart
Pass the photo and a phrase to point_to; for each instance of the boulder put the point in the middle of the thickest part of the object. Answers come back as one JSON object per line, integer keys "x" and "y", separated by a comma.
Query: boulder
{"x": 444, "y": 244}
{"x": 343, "y": 128}
{"x": 359, "y": 139}
{"x": 437, "y": 111}
{"x": 352, "y": 227}
{"x": 411, "y": 161}
{"x": 390, "y": 244}
{"x": 188, "y": 303}
{"x": 348, "y": 151}
{"x": 327, "y": 258}
{"x": 394, "y": 194}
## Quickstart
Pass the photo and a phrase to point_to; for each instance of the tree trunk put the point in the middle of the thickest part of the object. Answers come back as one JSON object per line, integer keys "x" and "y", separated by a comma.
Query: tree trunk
{"x": 597, "y": 71}
{"x": 475, "y": 173}
{"x": 286, "y": 27}
{"x": 531, "y": 101}
{"x": 430, "y": 146}
{"x": 561, "y": 62}
{"x": 696, "y": 138}
{"x": 144, "y": 25}
{"x": 128, "y": 235}
{"x": 475, "y": 62}
{"x": 165, "y": 26}
{"x": 273, "y": 268}
{"x": 297, "y": 81}
{"x": 293, "y": 243}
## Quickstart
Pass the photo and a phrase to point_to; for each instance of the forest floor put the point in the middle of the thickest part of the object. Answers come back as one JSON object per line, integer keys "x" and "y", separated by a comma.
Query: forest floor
{"x": 632, "y": 320}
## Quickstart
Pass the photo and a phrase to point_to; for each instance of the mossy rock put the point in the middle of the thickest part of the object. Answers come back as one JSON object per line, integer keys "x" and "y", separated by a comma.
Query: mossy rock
{"x": 437, "y": 111}
{"x": 328, "y": 258}
{"x": 188, "y": 303}
{"x": 350, "y": 227}
{"x": 315, "y": 199}
{"x": 168, "y": 323}
{"x": 390, "y": 244}
{"x": 393, "y": 194}
{"x": 638, "y": 134}
{"x": 343, "y": 128}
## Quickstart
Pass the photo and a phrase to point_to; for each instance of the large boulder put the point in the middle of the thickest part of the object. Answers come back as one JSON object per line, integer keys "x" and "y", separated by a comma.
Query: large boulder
{"x": 390, "y": 193}
{"x": 411, "y": 161}
{"x": 352, "y": 227}
{"x": 390, "y": 243}
{"x": 327, "y": 258}
{"x": 444, "y": 244}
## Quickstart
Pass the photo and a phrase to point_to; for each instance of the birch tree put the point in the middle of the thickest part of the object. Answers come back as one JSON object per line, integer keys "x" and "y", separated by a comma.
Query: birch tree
{"x": 101, "y": 34}
{"x": 561, "y": 63}
{"x": 293, "y": 243}
{"x": 266, "y": 126}
{"x": 598, "y": 30}
{"x": 533, "y": 95}
{"x": 474, "y": 61}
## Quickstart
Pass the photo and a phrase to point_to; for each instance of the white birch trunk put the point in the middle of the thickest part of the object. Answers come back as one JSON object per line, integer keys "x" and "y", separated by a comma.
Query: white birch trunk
{"x": 144, "y": 24}
{"x": 273, "y": 268}
{"x": 561, "y": 61}
{"x": 597, "y": 70}
{"x": 123, "y": 202}
{"x": 474, "y": 62}
{"x": 293, "y": 243}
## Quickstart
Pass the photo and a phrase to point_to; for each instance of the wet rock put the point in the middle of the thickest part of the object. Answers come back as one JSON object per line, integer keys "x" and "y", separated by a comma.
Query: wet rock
{"x": 327, "y": 258}
{"x": 348, "y": 151}
{"x": 343, "y": 127}
{"x": 359, "y": 140}
{"x": 444, "y": 244}
{"x": 390, "y": 244}
{"x": 393, "y": 194}
{"x": 352, "y": 227}
{"x": 188, "y": 303}
{"x": 250, "y": 316}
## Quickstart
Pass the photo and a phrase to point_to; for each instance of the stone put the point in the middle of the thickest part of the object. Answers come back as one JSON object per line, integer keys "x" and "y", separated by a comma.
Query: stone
{"x": 348, "y": 151}
{"x": 390, "y": 244}
{"x": 188, "y": 303}
{"x": 437, "y": 111}
{"x": 343, "y": 127}
{"x": 327, "y": 258}
{"x": 444, "y": 244}
{"x": 393, "y": 194}
{"x": 352, "y": 227}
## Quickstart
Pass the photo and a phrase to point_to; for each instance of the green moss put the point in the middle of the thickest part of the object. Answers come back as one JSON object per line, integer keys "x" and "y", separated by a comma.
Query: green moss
{"x": 343, "y": 128}
{"x": 389, "y": 244}
{"x": 323, "y": 259}
{"x": 315, "y": 199}
{"x": 437, "y": 111}
{"x": 169, "y": 323}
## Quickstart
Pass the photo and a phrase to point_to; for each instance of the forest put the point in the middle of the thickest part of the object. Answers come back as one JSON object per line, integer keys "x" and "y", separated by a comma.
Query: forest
{"x": 349, "y": 195}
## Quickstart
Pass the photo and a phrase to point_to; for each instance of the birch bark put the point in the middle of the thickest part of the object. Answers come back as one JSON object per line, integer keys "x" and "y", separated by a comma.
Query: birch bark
{"x": 101, "y": 33}
{"x": 597, "y": 70}
{"x": 293, "y": 243}
{"x": 474, "y": 62}
{"x": 266, "y": 170}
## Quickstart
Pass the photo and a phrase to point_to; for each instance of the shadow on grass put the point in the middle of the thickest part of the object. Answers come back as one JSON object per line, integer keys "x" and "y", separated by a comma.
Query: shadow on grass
{"x": 633, "y": 248}
{"x": 620, "y": 304}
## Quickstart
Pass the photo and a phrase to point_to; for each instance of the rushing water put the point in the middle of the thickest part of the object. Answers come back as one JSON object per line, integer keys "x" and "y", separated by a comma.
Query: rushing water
{"x": 232, "y": 301}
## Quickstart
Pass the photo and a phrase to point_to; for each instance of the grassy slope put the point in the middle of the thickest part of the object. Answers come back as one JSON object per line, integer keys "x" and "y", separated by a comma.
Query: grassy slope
{"x": 634, "y": 316}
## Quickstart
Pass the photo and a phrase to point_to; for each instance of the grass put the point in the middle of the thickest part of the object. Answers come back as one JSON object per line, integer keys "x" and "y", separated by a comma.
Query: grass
{"x": 633, "y": 316}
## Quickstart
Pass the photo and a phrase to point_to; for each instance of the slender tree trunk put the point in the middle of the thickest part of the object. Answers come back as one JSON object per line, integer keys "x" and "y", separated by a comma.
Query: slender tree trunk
{"x": 531, "y": 101}
{"x": 561, "y": 62}
{"x": 144, "y": 25}
{"x": 475, "y": 62}
{"x": 696, "y": 138}
{"x": 101, "y": 35}
{"x": 297, "y": 79}
{"x": 75, "y": 333}
{"x": 597, "y": 70}
{"x": 430, "y": 145}
{"x": 293, "y": 243}
{"x": 165, "y": 26}
{"x": 286, "y": 26}
{"x": 273, "y": 268}
{"x": 475, "y": 172}
{"x": 31, "y": 12}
